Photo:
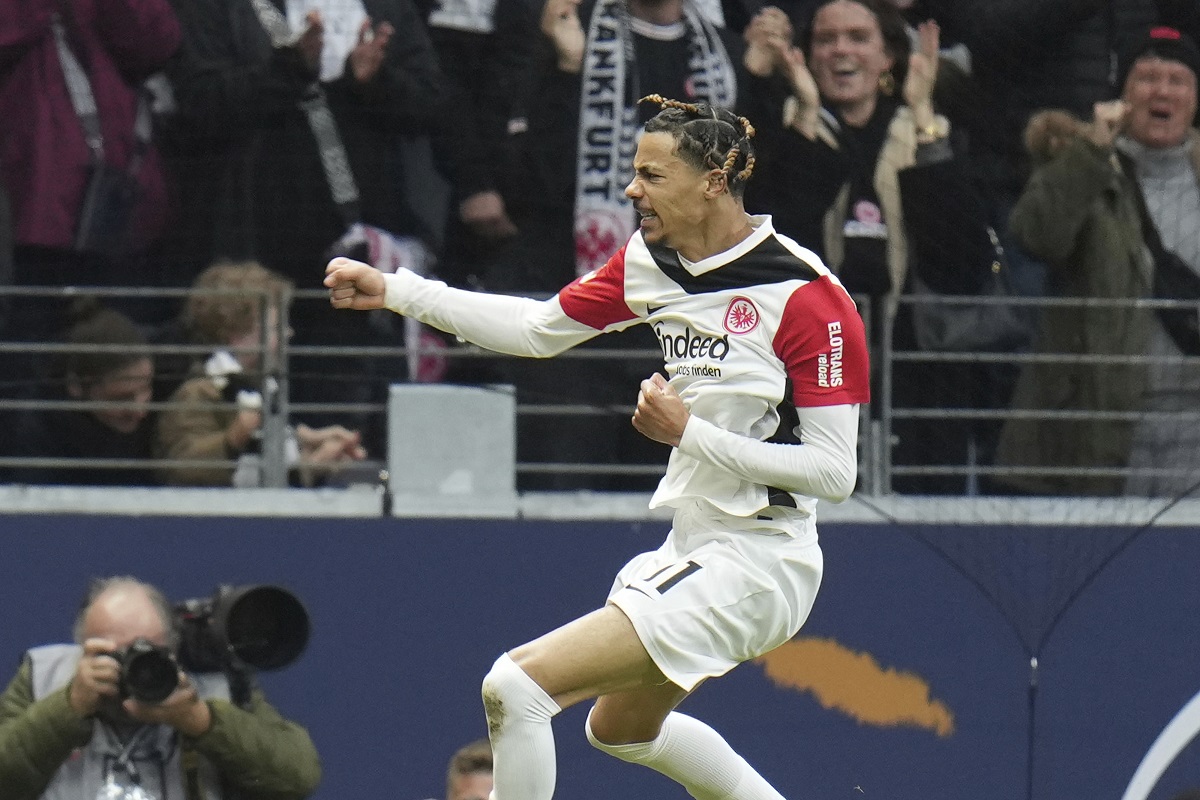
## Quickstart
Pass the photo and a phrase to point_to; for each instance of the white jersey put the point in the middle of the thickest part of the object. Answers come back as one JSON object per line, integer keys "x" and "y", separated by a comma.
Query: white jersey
{"x": 762, "y": 343}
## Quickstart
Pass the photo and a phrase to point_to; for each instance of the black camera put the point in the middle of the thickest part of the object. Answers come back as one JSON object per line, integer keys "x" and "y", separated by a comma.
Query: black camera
{"x": 148, "y": 672}
{"x": 235, "y": 631}
{"x": 259, "y": 627}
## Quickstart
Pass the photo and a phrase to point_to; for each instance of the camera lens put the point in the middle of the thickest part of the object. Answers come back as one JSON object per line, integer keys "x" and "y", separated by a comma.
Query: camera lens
{"x": 148, "y": 673}
{"x": 266, "y": 626}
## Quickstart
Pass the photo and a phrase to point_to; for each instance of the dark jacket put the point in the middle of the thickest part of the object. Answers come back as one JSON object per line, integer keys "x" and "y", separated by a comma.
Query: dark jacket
{"x": 1033, "y": 54}
{"x": 79, "y": 435}
{"x": 196, "y": 433}
{"x": 542, "y": 179}
{"x": 935, "y": 218}
{"x": 247, "y": 161}
{"x": 1080, "y": 215}
{"x": 255, "y": 750}
{"x": 44, "y": 159}
{"x": 488, "y": 74}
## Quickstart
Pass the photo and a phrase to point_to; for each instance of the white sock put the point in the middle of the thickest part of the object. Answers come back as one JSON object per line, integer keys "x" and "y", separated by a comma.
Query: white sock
{"x": 693, "y": 754}
{"x": 518, "y": 715}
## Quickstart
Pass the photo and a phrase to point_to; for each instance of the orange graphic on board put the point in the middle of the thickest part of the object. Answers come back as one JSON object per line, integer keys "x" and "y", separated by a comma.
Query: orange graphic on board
{"x": 856, "y": 685}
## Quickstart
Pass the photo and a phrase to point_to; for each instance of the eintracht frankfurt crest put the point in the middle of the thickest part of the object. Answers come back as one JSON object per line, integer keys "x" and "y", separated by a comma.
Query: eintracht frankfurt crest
{"x": 741, "y": 316}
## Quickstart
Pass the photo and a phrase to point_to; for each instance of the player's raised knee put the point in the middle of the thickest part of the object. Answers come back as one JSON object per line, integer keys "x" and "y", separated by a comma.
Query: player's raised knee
{"x": 509, "y": 693}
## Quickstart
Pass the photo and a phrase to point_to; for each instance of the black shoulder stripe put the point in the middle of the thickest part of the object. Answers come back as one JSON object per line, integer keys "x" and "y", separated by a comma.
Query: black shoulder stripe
{"x": 769, "y": 262}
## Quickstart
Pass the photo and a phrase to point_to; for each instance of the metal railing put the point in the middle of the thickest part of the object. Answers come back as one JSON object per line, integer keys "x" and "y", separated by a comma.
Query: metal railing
{"x": 879, "y": 468}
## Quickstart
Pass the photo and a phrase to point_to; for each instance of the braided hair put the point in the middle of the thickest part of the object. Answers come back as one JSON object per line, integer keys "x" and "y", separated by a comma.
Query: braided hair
{"x": 707, "y": 137}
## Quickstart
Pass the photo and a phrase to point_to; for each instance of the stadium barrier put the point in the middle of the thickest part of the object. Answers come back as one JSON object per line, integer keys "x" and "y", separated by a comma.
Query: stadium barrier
{"x": 883, "y": 467}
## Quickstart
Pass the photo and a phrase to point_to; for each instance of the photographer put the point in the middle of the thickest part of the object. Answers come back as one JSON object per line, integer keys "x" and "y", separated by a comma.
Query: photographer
{"x": 69, "y": 730}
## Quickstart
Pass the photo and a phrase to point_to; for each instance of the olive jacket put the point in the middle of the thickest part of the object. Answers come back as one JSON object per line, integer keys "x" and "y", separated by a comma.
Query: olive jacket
{"x": 196, "y": 433}
{"x": 257, "y": 752}
{"x": 1080, "y": 214}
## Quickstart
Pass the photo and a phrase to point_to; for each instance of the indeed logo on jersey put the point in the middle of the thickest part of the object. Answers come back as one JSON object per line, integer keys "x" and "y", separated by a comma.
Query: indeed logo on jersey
{"x": 690, "y": 344}
{"x": 829, "y": 365}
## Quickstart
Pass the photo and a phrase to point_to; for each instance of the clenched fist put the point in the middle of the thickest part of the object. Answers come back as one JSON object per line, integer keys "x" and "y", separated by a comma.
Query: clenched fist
{"x": 355, "y": 285}
{"x": 661, "y": 414}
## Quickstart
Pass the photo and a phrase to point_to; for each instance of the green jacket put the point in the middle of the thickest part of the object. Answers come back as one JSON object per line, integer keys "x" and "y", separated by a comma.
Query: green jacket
{"x": 1079, "y": 214}
{"x": 256, "y": 751}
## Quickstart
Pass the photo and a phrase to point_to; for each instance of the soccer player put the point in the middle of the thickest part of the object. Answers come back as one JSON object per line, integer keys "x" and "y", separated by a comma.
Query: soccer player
{"x": 768, "y": 364}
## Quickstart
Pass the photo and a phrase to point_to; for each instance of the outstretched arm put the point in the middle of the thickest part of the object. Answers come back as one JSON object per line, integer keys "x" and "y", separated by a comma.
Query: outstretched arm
{"x": 516, "y": 326}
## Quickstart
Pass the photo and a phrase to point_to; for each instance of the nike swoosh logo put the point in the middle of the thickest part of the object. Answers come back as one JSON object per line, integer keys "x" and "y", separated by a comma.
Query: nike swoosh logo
{"x": 654, "y": 309}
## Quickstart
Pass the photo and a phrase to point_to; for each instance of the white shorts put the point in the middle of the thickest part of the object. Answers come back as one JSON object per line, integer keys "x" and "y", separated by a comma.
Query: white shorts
{"x": 721, "y": 590}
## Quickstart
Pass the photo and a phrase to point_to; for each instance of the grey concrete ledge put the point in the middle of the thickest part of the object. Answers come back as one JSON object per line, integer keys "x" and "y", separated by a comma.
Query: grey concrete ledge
{"x": 367, "y": 502}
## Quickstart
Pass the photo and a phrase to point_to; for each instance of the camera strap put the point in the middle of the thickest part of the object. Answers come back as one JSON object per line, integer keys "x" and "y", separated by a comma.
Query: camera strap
{"x": 124, "y": 761}
{"x": 130, "y": 789}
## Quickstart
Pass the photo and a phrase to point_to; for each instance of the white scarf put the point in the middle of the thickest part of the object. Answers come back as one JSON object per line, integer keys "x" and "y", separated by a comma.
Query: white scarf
{"x": 608, "y": 128}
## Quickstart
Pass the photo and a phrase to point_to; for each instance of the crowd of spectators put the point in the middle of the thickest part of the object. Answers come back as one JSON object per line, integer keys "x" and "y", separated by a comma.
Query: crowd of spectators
{"x": 920, "y": 147}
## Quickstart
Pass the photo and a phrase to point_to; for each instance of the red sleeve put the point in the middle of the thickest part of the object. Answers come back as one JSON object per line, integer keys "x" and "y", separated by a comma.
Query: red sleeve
{"x": 823, "y": 346}
{"x": 598, "y": 298}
